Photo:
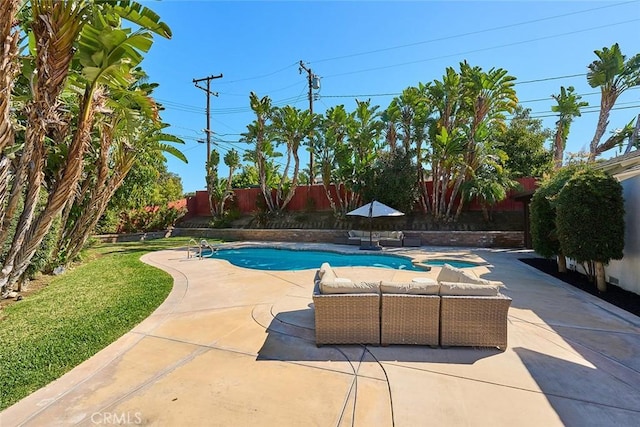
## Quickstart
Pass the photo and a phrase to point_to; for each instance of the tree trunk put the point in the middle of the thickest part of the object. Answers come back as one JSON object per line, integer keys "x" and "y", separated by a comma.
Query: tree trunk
{"x": 34, "y": 140}
{"x": 606, "y": 104}
{"x": 562, "y": 263}
{"x": 9, "y": 67}
{"x": 558, "y": 148}
{"x": 59, "y": 194}
{"x": 601, "y": 281}
{"x": 19, "y": 177}
{"x": 454, "y": 194}
{"x": 5, "y": 165}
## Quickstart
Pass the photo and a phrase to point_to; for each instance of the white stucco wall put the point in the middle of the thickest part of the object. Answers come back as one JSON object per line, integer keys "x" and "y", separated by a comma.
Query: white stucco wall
{"x": 627, "y": 270}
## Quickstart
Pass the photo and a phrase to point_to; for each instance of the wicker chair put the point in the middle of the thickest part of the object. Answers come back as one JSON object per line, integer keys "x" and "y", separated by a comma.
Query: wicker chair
{"x": 410, "y": 319}
{"x": 346, "y": 318}
{"x": 475, "y": 321}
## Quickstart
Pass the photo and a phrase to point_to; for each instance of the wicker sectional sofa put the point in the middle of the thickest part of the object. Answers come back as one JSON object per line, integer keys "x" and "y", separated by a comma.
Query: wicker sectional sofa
{"x": 456, "y": 309}
{"x": 385, "y": 238}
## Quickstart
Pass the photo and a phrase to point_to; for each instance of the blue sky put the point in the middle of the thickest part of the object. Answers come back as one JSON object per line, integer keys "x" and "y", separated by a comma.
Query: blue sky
{"x": 373, "y": 50}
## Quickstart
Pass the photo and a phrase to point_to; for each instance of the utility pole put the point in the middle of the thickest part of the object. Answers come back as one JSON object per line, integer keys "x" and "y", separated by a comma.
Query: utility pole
{"x": 209, "y": 93}
{"x": 314, "y": 83}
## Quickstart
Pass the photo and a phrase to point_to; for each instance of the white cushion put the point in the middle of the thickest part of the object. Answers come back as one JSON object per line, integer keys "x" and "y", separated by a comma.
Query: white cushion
{"x": 346, "y": 286}
{"x": 449, "y": 273}
{"x": 413, "y": 288}
{"x": 424, "y": 280}
{"x": 467, "y": 277}
{"x": 467, "y": 289}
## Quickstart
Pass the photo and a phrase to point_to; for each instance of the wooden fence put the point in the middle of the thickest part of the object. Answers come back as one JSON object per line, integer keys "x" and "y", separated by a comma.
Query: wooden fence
{"x": 314, "y": 198}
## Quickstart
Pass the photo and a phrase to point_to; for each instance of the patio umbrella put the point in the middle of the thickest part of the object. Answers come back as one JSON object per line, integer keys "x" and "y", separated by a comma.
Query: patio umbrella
{"x": 372, "y": 210}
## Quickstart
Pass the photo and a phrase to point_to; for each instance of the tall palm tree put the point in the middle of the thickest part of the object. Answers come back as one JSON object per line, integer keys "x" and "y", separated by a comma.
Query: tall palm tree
{"x": 409, "y": 113}
{"x": 568, "y": 107}
{"x": 9, "y": 68}
{"x": 333, "y": 156}
{"x": 444, "y": 133}
{"x": 105, "y": 53}
{"x": 259, "y": 134}
{"x": 613, "y": 73}
{"x": 363, "y": 139}
{"x": 124, "y": 137}
{"x": 290, "y": 126}
{"x": 487, "y": 97}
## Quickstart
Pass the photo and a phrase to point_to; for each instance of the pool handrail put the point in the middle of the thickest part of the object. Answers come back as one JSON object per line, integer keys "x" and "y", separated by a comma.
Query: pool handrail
{"x": 202, "y": 245}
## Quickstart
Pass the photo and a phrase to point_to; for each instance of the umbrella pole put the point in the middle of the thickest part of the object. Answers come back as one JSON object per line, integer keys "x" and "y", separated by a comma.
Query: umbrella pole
{"x": 370, "y": 224}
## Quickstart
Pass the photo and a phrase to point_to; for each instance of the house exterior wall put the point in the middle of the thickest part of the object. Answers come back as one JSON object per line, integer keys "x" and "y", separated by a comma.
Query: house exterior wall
{"x": 627, "y": 270}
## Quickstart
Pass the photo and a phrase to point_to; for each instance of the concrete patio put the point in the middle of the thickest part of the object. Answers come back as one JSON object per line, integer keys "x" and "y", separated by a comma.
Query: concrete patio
{"x": 235, "y": 347}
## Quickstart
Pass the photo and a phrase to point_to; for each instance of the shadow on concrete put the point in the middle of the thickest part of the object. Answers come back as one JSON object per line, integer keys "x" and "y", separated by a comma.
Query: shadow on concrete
{"x": 291, "y": 337}
{"x": 582, "y": 395}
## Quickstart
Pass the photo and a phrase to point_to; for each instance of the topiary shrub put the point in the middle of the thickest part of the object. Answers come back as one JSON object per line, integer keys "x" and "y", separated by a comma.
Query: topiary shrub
{"x": 544, "y": 238}
{"x": 590, "y": 220}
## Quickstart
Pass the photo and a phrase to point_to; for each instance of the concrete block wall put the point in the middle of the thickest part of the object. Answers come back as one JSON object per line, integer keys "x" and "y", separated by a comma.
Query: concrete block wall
{"x": 481, "y": 239}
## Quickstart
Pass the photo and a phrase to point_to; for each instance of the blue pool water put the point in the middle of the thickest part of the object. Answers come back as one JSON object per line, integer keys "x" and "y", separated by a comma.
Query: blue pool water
{"x": 452, "y": 262}
{"x": 287, "y": 259}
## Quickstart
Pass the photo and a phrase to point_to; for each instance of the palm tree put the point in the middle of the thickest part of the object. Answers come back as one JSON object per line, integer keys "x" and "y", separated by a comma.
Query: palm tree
{"x": 333, "y": 154}
{"x": 132, "y": 129}
{"x": 104, "y": 53}
{"x": 569, "y": 106}
{"x": 410, "y": 113}
{"x": 259, "y": 134}
{"x": 290, "y": 126}
{"x": 9, "y": 68}
{"x": 221, "y": 189}
{"x": 613, "y": 74}
{"x": 363, "y": 139}
{"x": 445, "y": 97}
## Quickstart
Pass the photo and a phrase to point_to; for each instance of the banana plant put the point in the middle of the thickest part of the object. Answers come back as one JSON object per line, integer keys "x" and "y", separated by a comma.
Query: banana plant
{"x": 614, "y": 74}
{"x": 82, "y": 46}
{"x": 568, "y": 106}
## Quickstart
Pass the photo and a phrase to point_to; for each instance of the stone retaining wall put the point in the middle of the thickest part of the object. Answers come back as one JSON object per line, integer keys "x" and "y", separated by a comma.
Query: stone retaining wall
{"x": 480, "y": 239}
{"x": 134, "y": 237}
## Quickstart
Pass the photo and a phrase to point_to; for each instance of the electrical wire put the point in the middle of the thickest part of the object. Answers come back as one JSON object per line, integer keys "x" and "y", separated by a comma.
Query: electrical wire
{"x": 537, "y": 39}
{"x": 471, "y": 33}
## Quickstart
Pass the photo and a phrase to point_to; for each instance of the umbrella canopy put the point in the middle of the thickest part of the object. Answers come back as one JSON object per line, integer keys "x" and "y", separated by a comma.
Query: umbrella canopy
{"x": 375, "y": 209}
{"x": 372, "y": 210}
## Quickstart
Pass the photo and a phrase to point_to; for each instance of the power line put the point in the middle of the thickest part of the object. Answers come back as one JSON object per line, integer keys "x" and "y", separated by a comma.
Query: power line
{"x": 549, "y": 79}
{"x": 261, "y": 76}
{"x": 481, "y": 49}
{"x": 471, "y": 33}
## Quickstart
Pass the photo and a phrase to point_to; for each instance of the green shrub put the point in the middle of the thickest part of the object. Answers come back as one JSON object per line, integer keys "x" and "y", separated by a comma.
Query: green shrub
{"x": 109, "y": 223}
{"x": 544, "y": 237}
{"x": 590, "y": 217}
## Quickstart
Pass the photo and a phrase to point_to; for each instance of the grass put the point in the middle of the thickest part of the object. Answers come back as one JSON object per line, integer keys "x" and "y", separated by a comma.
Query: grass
{"x": 78, "y": 314}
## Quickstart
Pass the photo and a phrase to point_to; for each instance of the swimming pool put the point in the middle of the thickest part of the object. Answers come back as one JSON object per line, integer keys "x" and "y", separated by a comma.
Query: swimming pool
{"x": 289, "y": 259}
{"x": 458, "y": 263}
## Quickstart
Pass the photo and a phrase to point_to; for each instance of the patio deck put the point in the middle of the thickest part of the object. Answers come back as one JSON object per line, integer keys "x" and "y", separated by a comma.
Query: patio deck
{"x": 234, "y": 347}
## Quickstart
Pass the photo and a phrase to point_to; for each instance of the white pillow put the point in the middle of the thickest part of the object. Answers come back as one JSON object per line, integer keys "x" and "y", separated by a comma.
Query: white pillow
{"x": 467, "y": 289}
{"x": 449, "y": 273}
{"x": 346, "y": 286}
{"x": 412, "y": 288}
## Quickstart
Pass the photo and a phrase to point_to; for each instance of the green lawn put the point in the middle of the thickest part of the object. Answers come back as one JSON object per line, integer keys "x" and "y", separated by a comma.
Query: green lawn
{"x": 78, "y": 314}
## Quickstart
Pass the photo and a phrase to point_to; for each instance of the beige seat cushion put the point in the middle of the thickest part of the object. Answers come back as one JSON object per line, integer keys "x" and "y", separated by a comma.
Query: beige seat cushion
{"x": 449, "y": 273}
{"x": 346, "y": 286}
{"x": 457, "y": 275}
{"x": 412, "y": 288}
{"x": 326, "y": 273}
{"x": 469, "y": 278}
{"x": 468, "y": 289}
